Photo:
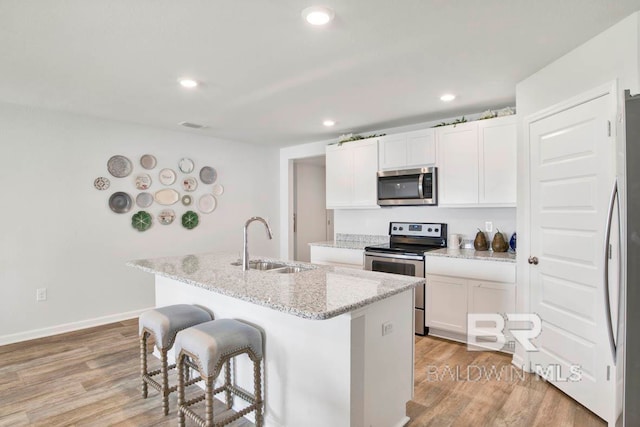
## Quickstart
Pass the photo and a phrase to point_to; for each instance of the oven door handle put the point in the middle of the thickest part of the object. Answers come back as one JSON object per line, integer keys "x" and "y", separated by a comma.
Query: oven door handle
{"x": 382, "y": 255}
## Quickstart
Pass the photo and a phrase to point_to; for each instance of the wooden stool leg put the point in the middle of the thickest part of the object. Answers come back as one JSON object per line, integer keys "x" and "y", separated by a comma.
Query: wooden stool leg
{"x": 257, "y": 384}
{"x": 209, "y": 401}
{"x": 143, "y": 363}
{"x": 181, "y": 381}
{"x": 165, "y": 381}
{"x": 227, "y": 383}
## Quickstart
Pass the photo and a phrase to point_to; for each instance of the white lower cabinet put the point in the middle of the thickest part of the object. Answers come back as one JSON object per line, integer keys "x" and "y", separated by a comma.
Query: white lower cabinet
{"x": 450, "y": 299}
{"x": 446, "y": 303}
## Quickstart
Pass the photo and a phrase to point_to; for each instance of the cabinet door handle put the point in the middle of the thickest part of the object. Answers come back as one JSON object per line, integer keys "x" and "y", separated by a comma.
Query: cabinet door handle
{"x": 533, "y": 260}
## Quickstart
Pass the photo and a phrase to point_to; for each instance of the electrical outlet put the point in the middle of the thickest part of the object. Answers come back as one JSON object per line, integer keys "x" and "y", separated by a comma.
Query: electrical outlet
{"x": 488, "y": 226}
{"x": 387, "y": 328}
{"x": 41, "y": 294}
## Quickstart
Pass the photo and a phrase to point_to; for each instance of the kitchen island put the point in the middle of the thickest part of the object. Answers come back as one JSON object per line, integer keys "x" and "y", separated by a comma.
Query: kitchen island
{"x": 338, "y": 341}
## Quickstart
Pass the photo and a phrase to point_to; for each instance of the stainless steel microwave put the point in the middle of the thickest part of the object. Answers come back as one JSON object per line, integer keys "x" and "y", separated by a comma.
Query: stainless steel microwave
{"x": 408, "y": 187}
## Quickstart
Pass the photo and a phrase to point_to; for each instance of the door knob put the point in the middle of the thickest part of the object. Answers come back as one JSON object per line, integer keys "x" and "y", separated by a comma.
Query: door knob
{"x": 533, "y": 260}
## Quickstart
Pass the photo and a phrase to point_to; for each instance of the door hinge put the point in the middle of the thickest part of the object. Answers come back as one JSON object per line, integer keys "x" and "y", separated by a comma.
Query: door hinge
{"x": 295, "y": 223}
{"x": 608, "y": 127}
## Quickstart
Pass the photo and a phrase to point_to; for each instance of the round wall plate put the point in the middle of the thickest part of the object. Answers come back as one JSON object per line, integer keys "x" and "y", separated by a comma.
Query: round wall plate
{"x": 186, "y": 165}
{"x": 166, "y": 216}
{"x": 189, "y": 184}
{"x": 101, "y": 183}
{"x": 207, "y": 203}
{"x": 217, "y": 190}
{"x": 167, "y": 176}
{"x": 190, "y": 220}
{"x": 208, "y": 175}
{"x": 144, "y": 200}
{"x": 148, "y": 161}
{"x": 141, "y": 220}
{"x": 186, "y": 200}
{"x": 120, "y": 202}
{"x": 143, "y": 181}
{"x": 119, "y": 166}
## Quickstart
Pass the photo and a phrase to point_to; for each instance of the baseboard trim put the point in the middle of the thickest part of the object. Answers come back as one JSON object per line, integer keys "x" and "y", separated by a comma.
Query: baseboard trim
{"x": 68, "y": 327}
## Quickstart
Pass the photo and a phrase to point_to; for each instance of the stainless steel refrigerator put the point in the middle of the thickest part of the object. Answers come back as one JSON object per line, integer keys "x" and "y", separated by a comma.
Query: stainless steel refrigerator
{"x": 627, "y": 333}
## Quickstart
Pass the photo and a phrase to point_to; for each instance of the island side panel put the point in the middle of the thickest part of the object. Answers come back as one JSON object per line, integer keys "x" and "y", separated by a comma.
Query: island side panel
{"x": 388, "y": 360}
{"x": 307, "y": 362}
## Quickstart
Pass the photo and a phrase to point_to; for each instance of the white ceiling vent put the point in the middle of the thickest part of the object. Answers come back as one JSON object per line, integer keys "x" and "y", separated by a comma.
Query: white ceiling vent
{"x": 192, "y": 125}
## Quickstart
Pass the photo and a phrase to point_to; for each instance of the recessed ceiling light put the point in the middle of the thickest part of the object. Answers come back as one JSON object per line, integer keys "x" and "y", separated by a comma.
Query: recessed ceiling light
{"x": 447, "y": 97}
{"x": 318, "y": 15}
{"x": 329, "y": 123}
{"x": 188, "y": 83}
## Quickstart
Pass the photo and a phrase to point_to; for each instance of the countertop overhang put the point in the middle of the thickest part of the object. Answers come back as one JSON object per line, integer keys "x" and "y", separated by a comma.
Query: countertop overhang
{"x": 319, "y": 293}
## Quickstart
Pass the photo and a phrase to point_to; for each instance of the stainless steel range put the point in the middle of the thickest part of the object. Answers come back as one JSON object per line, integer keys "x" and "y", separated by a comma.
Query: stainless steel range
{"x": 404, "y": 254}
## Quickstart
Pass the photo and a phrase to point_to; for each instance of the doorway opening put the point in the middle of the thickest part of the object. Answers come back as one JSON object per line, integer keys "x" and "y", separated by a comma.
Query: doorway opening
{"x": 311, "y": 220}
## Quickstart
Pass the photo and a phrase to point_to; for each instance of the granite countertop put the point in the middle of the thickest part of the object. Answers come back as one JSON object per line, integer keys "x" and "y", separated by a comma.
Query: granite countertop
{"x": 353, "y": 241}
{"x": 322, "y": 292}
{"x": 473, "y": 254}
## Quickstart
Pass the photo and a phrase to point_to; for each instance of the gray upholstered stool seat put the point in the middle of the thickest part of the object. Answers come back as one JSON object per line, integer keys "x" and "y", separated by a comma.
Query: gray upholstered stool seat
{"x": 163, "y": 324}
{"x": 211, "y": 345}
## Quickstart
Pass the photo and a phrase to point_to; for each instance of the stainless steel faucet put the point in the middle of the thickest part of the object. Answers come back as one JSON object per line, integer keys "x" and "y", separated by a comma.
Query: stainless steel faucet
{"x": 245, "y": 246}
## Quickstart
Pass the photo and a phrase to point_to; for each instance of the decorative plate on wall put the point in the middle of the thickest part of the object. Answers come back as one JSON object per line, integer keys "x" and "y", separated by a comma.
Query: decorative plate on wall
{"x": 166, "y": 216}
{"x": 207, "y": 203}
{"x": 189, "y": 183}
{"x": 218, "y": 190}
{"x": 119, "y": 166}
{"x": 143, "y": 181}
{"x": 101, "y": 183}
{"x": 208, "y": 175}
{"x": 167, "y": 196}
{"x": 186, "y": 200}
{"x": 167, "y": 176}
{"x": 141, "y": 220}
{"x": 186, "y": 165}
{"x": 189, "y": 220}
{"x": 120, "y": 202}
{"x": 148, "y": 161}
{"x": 144, "y": 200}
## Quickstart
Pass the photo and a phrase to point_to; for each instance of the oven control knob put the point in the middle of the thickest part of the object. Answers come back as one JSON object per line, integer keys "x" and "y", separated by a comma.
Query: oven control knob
{"x": 429, "y": 229}
{"x": 395, "y": 228}
{"x": 400, "y": 228}
{"x": 436, "y": 230}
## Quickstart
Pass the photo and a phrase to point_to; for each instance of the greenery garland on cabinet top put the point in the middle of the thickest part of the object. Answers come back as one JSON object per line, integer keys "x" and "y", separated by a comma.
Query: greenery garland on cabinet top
{"x": 488, "y": 114}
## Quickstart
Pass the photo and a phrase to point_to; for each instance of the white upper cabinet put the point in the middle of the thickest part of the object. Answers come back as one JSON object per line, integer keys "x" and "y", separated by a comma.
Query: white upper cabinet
{"x": 408, "y": 150}
{"x": 351, "y": 174}
{"x": 458, "y": 164}
{"x": 477, "y": 163}
{"x": 498, "y": 161}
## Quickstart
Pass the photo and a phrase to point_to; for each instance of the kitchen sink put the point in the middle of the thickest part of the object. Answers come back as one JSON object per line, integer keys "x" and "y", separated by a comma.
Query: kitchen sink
{"x": 274, "y": 267}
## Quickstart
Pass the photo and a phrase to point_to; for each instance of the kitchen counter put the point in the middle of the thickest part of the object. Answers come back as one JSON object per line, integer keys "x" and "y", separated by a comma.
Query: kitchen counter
{"x": 352, "y": 241}
{"x": 325, "y": 350}
{"x": 473, "y": 254}
{"x": 322, "y": 292}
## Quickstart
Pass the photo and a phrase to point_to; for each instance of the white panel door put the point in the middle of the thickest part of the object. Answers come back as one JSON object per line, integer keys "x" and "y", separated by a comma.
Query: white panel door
{"x": 572, "y": 175}
{"x": 393, "y": 152}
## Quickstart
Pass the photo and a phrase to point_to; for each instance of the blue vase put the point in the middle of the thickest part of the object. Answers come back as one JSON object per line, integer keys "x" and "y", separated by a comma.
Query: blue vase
{"x": 512, "y": 242}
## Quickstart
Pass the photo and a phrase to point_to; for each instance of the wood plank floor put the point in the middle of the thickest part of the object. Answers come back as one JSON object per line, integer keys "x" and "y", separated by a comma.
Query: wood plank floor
{"x": 91, "y": 378}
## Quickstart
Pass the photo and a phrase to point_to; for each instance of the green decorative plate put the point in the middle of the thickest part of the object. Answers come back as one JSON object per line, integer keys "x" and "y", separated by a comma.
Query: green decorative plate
{"x": 141, "y": 220}
{"x": 189, "y": 220}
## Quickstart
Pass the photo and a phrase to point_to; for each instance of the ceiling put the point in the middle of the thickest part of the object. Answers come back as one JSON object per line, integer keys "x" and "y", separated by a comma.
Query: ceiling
{"x": 269, "y": 78}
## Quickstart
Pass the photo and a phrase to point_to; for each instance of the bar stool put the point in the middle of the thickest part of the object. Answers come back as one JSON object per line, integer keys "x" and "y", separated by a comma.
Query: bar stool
{"x": 211, "y": 345}
{"x": 163, "y": 324}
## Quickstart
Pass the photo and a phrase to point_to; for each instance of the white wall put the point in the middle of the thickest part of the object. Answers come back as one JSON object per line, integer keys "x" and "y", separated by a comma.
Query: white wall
{"x": 463, "y": 221}
{"x": 58, "y": 231}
